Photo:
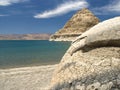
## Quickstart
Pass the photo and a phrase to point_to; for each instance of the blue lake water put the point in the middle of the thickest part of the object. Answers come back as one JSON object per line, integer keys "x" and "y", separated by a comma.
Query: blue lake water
{"x": 18, "y": 53}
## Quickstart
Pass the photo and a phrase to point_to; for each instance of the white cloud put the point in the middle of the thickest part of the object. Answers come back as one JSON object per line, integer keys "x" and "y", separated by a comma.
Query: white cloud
{"x": 113, "y": 7}
{"x": 9, "y": 2}
{"x": 2, "y": 15}
{"x": 63, "y": 8}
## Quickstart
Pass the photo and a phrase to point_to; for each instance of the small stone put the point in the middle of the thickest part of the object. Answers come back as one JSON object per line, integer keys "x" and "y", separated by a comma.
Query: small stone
{"x": 72, "y": 88}
{"x": 110, "y": 84}
{"x": 95, "y": 86}
{"x": 78, "y": 83}
{"x": 78, "y": 87}
{"x": 74, "y": 83}
{"x": 95, "y": 81}
{"x": 118, "y": 82}
{"x": 114, "y": 83}
{"x": 103, "y": 87}
{"x": 119, "y": 76}
{"x": 83, "y": 80}
{"x": 65, "y": 89}
{"x": 116, "y": 89}
{"x": 107, "y": 86}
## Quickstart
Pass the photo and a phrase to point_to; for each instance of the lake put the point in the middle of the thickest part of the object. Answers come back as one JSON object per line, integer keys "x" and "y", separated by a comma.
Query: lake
{"x": 19, "y": 53}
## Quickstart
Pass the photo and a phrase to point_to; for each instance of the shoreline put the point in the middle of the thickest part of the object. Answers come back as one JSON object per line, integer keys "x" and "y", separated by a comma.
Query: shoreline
{"x": 27, "y": 78}
{"x": 28, "y": 65}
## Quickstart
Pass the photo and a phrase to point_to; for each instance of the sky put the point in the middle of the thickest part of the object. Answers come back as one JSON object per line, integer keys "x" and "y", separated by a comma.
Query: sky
{"x": 48, "y": 16}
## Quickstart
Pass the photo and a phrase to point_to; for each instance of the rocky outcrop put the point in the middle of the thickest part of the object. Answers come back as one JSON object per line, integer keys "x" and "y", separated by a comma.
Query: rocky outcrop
{"x": 86, "y": 68}
{"x": 91, "y": 67}
{"x": 79, "y": 23}
{"x": 25, "y": 37}
{"x": 106, "y": 33}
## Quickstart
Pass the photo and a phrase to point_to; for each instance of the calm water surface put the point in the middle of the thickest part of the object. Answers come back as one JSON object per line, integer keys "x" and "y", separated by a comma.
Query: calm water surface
{"x": 17, "y": 53}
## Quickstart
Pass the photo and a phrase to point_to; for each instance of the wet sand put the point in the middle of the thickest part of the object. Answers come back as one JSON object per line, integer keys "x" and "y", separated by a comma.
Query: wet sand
{"x": 26, "y": 78}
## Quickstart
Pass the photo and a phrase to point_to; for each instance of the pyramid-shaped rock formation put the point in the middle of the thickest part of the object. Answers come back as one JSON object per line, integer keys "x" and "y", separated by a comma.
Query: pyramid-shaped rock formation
{"x": 79, "y": 23}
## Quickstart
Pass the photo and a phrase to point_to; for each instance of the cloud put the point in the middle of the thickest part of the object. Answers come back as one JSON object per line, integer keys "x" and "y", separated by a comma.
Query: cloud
{"x": 9, "y": 2}
{"x": 2, "y": 15}
{"x": 113, "y": 7}
{"x": 63, "y": 8}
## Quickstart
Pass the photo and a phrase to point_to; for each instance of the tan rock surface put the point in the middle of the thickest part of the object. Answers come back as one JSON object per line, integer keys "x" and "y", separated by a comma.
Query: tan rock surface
{"x": 89, "y": 69}
{"x": 79, "y": 23}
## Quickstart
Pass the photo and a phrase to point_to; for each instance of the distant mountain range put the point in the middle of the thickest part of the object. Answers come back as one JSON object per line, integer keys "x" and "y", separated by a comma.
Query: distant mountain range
{"x": 24, "y": 36}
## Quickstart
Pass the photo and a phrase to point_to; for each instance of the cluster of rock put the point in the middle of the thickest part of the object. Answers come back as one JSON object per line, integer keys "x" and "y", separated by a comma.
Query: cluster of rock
{"x": 93, "y": 60}
{"x": 79, "y": 23}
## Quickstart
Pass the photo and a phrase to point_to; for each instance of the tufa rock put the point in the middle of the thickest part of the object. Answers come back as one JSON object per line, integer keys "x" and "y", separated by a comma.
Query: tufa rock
{"x": 106, "y": 33}
{"x": 79, "y": 23}
{"x": 92, "y": 68}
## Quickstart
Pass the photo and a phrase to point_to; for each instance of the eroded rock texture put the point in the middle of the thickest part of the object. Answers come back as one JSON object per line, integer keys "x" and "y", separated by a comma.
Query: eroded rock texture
{"x": 89, "y": 69}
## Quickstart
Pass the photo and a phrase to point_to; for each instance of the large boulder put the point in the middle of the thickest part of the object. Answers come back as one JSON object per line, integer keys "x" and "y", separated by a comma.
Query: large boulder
{"x": 91, "y": 67}
{"x": 79, "y": 23}
{"x": 106, "y": 33}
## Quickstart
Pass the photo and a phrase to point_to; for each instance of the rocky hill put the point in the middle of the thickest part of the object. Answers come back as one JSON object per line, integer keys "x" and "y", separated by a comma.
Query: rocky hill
{"x": 25, "y": 37}
{"x": 79, "y": 23}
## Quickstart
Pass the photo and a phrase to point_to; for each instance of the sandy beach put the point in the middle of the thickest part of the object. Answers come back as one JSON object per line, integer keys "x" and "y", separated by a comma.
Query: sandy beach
{"x": 26, "y": 78}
